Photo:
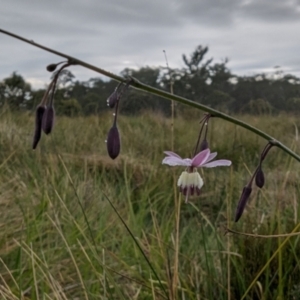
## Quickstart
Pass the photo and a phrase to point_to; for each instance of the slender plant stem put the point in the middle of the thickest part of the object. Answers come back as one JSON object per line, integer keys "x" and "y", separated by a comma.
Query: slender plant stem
{"x": 270, "y": 259}
{"x": 208, "y": 270}
{"x": 177, "y": 228}
{"x": 279, "y": 241}
{"x": 176, "y": 198}
{"x": 154, "y": 91}
{"x": 138, "y": 245}
{"x": 228, "y": 211}
{"x": 172, "y": 102}
{"x": 80, "y": 205}
{"x": 263, "y": 236}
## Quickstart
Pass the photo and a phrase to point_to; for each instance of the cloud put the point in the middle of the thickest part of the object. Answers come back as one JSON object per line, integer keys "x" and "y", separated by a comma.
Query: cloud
{"x": 274, "y": 11}
{"x": 253, "y": 34}
{"x": 211, "y": 13}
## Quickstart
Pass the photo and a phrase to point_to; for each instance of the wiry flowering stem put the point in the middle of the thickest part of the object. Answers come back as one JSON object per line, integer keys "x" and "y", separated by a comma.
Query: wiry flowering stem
{"x": 259, "y": 177}
{"x": 54, "y": 81}
{"x": 146, "y": 88}
{"x": 45, "y": 114}
{"x": 113, "y": 141}
{"x": 265, "y": 152}
{"x": 204, "y": 122}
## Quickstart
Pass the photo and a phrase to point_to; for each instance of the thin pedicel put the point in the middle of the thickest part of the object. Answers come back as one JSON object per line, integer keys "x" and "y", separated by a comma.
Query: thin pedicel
{"x": 259, "y": 177}
{"x": 45, "y": 113}
{"x": 204, "y": 144}
{"x": 113, "y": 142}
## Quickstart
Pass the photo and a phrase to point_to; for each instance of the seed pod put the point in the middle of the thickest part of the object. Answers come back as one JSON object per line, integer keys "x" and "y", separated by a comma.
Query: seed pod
{"x": 113, "y": 142}
{"x": 260, "y": 178}
{"x": 48, "y": 119}
{"x": 113, "y": 99}
{"x": 51, "y": 67}
{"x": 40, "y": 110}
{"x": 242, "y": 202}
{"x": 204, "y": 145}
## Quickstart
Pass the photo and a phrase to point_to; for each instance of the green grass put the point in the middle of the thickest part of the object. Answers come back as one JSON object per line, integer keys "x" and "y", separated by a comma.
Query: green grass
{"x": 50, "y": 249}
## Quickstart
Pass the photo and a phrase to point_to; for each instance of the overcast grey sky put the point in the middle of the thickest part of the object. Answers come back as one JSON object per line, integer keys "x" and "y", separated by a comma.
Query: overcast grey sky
{"x": 255, "y": 35}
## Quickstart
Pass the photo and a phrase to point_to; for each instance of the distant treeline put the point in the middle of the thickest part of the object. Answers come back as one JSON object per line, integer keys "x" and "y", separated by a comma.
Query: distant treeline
{"x": 200, "y": 80}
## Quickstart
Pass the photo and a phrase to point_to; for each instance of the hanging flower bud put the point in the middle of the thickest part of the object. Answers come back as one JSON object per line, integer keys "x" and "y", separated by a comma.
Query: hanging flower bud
{"x": 113, "y": 99}
{"x": 48, "y": 119}
{"x": 113, "y": 142}
{"x": 259, "y": 178}
{"x": 51, "y": 67}
{"x": 204, "y": 145}
{"x": 242, "y": 202}
{"x": 40, "y": 110}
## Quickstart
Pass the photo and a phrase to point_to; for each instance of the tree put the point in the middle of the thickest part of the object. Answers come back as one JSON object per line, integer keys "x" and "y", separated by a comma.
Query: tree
{"x": 134, "y": 101}
{"x": 15, "y": 92}
{"x": 69, "y": 107}
{"x": 196, "y": 58}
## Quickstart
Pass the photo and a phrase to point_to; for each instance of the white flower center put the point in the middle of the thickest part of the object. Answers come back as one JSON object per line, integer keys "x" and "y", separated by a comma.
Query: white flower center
{"x": 189, "y": 183}
{"x": 187, "y": 179}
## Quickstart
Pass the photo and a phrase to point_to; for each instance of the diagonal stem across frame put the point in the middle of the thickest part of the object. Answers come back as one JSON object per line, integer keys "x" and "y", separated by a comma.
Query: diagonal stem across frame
{"x": 154, "y": 91}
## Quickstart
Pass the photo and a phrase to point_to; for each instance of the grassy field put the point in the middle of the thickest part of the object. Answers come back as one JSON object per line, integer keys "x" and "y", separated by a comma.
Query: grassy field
{"x": 61, "y": 238}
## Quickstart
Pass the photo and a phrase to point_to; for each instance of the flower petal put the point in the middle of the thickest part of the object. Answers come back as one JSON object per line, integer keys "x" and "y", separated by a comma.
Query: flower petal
{"x": 200, "y": 158}
{"x": 170, "y": 153}
{"x": 211, "y": 156}
{"x": 188, "y": 161}
{"x": 217, "y": 163}
{"x": 175, "y": 161}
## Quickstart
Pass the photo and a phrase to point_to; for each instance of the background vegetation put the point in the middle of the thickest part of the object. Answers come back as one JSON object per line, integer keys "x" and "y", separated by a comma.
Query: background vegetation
{"x": 60, "y": 237}
{"x": 201, "y": 80}
{"x": 47, "y": 251}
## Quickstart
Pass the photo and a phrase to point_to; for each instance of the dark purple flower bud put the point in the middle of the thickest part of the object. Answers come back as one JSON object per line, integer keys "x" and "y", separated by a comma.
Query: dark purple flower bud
{"x": 204, "y": 145}
{"x": 51, "y": 67}
{"x": 113, "y": 99}
{"x": 242, "y": 203}
{"x": 48, "y": 119}
{"x": 260, "y": 178}
{"x": 113, "y": 142}
{"x": 40, "y": 110}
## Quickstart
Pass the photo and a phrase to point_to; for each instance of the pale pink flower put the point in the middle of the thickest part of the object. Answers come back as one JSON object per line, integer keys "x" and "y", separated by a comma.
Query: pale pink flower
{"x": 190, "y": 181}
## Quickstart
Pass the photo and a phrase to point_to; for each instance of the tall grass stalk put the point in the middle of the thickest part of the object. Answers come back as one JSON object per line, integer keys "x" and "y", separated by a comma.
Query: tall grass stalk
{"x": 79, "y": 202}
{"x": 59, "y": 230}
{"x": 269, "y": 261}
{"x": 139, "y": 247}
{"x": 207, "y": 262}
{"x": 177, "y": 200}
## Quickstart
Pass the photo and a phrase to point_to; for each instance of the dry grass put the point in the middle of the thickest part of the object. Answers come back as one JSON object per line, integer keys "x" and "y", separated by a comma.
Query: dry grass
{"x": 50, "y": 251}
